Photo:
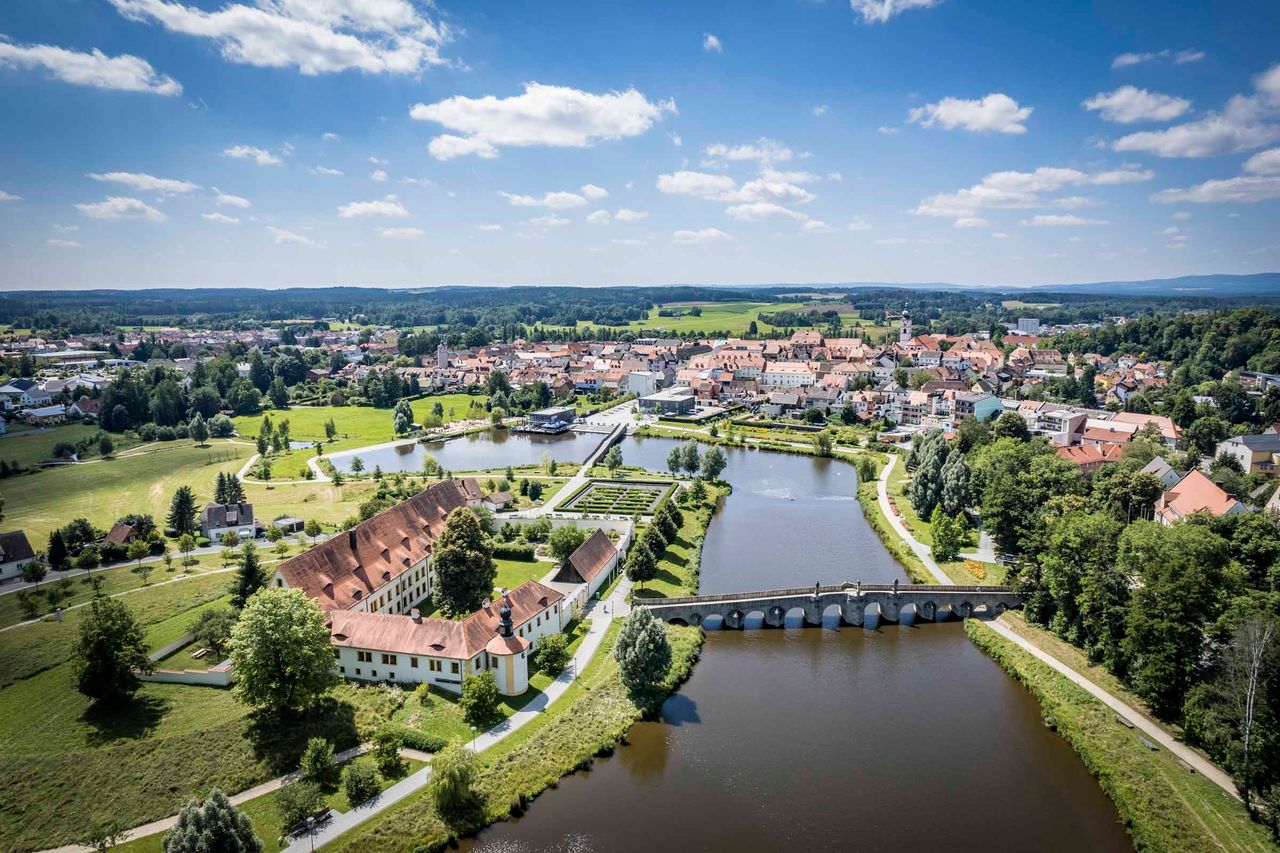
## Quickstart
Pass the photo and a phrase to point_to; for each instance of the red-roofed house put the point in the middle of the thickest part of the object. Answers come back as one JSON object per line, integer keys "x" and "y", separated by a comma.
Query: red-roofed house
{"x": 1195, "y": 493}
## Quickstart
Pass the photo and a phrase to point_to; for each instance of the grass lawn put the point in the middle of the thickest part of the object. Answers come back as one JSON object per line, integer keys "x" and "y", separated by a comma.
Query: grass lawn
{"x": 357, "y": 425}
{"x": 1162, "y": 806}
{"x": 678, "y": 565}
{"x": 592, "y": 715}
{"x": 104, "y": 491}
{"x": 868, "y": 498}
{"x": 512, "y": 573}
{"x": 992, "y": 574}
{"x": 31, "y": 448}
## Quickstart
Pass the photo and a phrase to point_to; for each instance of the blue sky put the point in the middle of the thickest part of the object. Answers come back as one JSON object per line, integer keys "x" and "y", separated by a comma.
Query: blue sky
{"x": 398, "y": 143}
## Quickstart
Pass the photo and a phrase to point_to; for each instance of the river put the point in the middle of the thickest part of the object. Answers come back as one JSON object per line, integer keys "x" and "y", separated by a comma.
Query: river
{"x": 817, "y": 739}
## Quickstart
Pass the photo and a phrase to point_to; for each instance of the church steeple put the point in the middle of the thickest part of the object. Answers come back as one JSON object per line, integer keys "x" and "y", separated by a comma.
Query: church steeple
{"x": 504, "y": 616}
{"x": 904, "y": 331}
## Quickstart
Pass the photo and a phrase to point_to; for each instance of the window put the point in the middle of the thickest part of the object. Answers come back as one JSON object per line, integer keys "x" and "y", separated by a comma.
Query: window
{"x": 364, "y": 657}
{"x": 390, "y": 660}
{"x": 373, "y": 673}
{"x": 358, "y": 671}
{"x": 434, "y": 665}
{"x": 413, "y": 662}
{"x": 453, "y": 667}
{"x": 335, "y": 652}
{"x": 342, "y": 669}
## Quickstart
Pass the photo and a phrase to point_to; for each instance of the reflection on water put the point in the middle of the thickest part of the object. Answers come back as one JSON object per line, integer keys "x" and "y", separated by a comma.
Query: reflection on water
{"x": 478, "y": 451}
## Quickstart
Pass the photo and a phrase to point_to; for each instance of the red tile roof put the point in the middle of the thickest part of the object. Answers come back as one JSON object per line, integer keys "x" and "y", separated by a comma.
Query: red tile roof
{"x": 588, "y": 560}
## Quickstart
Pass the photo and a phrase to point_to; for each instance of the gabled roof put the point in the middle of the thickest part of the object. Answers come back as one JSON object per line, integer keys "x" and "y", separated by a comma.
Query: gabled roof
{"x": 14, "y": 546}
{"x": 120, "y": 533}
{"x": 1194, "y": 493}
{"x": 588, "y": 560}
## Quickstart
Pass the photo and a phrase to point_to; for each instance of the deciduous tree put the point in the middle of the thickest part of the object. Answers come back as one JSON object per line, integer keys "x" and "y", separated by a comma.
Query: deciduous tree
{"x": 463, "y": 564}
{"x": 211, "y": 825}
{"x": 109, "y": 648}
{"x": 642, "y": 651}
{"x": 281, "y": 652}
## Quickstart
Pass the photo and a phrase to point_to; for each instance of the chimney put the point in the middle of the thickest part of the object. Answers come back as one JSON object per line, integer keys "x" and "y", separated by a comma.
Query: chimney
{"x": 351, "y": 538}
{"x": 415, "y": 615}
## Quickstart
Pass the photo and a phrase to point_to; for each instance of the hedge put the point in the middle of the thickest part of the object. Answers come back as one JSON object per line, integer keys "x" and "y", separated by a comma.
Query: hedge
{"x": 513, "y": 551}
{"x": 414, "y": 739}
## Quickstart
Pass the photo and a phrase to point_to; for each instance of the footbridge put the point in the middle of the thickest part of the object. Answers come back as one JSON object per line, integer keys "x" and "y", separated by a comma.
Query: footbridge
{"x": 854, "y": 603}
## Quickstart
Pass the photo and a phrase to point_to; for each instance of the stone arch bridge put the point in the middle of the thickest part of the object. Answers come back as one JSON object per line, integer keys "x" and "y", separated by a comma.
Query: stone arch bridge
{"x": 856, "y": 604}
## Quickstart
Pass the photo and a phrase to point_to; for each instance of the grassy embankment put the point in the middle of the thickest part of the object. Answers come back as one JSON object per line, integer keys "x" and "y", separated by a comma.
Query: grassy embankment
{"x": 33, "y": 447}
{"x": 1162, "y": 805}
{"x": 679, "y": 564}
{"x": 588, "y": 720}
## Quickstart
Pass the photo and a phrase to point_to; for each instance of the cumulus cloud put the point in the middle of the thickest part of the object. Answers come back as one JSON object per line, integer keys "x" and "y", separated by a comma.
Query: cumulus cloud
{"x": 228, "y": 200}
{"x": 1264, "y": 163}
{"x": 261, "y": 156}
{"x": 4, "y": 196}
{"x": 858, "y": 223}
{"x": 598, "y": 217}
{"x": 123, "y": 73}
{"x": 401, "y": 233}
{"x": 996, "y": 112}
{"x": 1180, "y": 57}
{"x": 626, "y": 214}
{"x": 283, "y": 237}
{"x": 1243, "y": 189}
{"x": 816, "y": 226}
{"x": 121, "y": 207}
{"x": 711, "y": 44}
{"x": 1247, "y": 121}
{"x": 220, "y": 218}
{"x": 313, "y": 36}
{"x": 378, "y": 175}
{"x": 555, "y": 116}
{"x": 62, "y": 243}
{"x": 1013, "y": 190}
{"x": 725, "y": 189}
{"x": 488, "y": 227}
{"x": 388, "y": 206}
{"x": 146, "y": 183}
{"x": 821, "y": 110}
{"x": 760, "y": 210}
{"x": 880, "y": 11}
{"x": 1059, "y": 220}
{"x": 593, "y": 192}
{"x": 551, "y": 200}
{"x": 762, "y": 151}
{"x": 548, "y": 221}
{"x": 1129, "y": 104}
{"x": 331, "y": 137}
{"x": 325, "y": 170}
{"x": 688, "y": 237}
{"x": 971, "y": 222}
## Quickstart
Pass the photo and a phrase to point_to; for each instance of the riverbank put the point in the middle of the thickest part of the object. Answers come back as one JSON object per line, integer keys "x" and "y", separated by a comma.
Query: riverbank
{"x": 869, "y": 498}
{"x": 1164, "y": 806}
{"x": 590, "y": 719}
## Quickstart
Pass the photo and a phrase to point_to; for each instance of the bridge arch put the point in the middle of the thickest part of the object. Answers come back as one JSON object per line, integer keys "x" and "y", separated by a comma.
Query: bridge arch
{"x": 775, "y": 616}
{"x": 734, "y": 619}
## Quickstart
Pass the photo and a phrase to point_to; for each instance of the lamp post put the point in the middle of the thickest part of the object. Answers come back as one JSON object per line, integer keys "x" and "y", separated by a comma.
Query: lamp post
{"x": 311, "y": 831}
{"x": 474, "y": 734}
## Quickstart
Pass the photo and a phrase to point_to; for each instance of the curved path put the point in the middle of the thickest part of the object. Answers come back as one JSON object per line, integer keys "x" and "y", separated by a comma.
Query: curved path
{"x": 1140, "y": 721}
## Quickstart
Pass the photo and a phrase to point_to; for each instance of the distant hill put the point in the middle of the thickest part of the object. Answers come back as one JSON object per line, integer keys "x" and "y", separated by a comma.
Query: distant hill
{"x": 1261, "y": 284}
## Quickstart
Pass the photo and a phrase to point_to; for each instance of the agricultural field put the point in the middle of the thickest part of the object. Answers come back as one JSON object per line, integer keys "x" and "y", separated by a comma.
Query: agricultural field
{"x": 358, "y": 426}
{"x": 604, "y": 496}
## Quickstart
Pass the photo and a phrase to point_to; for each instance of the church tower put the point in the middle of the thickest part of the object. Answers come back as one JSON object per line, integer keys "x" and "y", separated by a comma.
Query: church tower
{"x": 904, "y": 333}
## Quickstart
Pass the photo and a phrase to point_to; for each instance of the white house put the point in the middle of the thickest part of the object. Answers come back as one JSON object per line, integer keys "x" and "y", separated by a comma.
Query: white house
{"x": 219, "y": 519}
{"x": 15, "y": 554}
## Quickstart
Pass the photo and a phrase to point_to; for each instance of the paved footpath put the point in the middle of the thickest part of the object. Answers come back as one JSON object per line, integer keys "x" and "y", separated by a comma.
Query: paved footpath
{"x": 1202, "y": 765}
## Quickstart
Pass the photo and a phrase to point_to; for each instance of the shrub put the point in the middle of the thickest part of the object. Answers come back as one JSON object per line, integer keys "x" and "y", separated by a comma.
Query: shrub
{"x": 513, "y": 551}
{"x": 552, "y": 654}
{"x": 317, "y": 760}
{"x": 414, "y": 739}
{"x": 360, "y": 782}
{"x": 298, "y": 800}
{"x": 479, "y": 701}
{"x": 386, "y": 750}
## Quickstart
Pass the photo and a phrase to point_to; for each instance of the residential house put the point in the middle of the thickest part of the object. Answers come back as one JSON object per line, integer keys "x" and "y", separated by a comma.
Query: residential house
{"x": 1195, "y": 493}
{"x": 593, "y": 563}
{"x": 1257, "y": 454}
{"x": 218, "y": 519}
{"x": 15, "y": 554}
{"x": 1162, "y": 471}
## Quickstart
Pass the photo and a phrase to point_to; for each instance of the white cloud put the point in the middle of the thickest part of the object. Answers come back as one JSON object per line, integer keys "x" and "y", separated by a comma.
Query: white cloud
{"x": 593, "y": 192}
{"x": 816, "y": 226}
{"x": 891, "y": 241}
{"x": 378, "y": 175}
{"x": 548, "y": 221}
{"x": 971, "y": 222}
{"x": 1264, "y": 163}
{"x": 1181, "y": 57}
{"x": 331, "y": 137}
{"x": 220, "y": 218}
{"x": 314, "y": 36}
{"x": 1245, "y": 189}
{"x": 687, "y": 237}
{"x": 858, "y": 223}
{"x": 724, "y": 188}
{"x": 401, "y": 233}
{"x": 821, "y": 110}
{"x": 711, "y": 44}
{"x": 1241, "y": 125}
{"x": 146, "y": 183}
{"x": 1182, "y": 216}
{"x": 888, "y": 131}
{"x": 284, "y": 237}
{"x": 228, "y": 200}
{"x": 995, "y": 112}
{"x": 1129, "y": 104}
{"x": 551, "y": 200}
{"x": 675, "y": 139}
{"x": 1013, "y": 190}
{"x": 759, "y": 210}
{"x": 762, "y": 151}
{"x": 123, "y": 73}
{"x": 1045, "y": 220}
{"x": 388, "y": 206}
{"x": 375, "y": 160}
{"x": 598, "y": 217}
{"x": 119, "y": 207}
{"x": 261, "y": 156}
{"x": 835, "y": 176}
{"x": 62, "y": 243}
{"x": 629, "y": 241}
{"x": 4, "y": 196}
{"x": 488, "y": 227}
{"x": 879, "y": 11}
{"x": 626, "y": 214}
{"x": 557, "y": 116}
{"x": 66, "y": 229}
{"x": 325, "y": 170}
{"x": 999, "y": 235}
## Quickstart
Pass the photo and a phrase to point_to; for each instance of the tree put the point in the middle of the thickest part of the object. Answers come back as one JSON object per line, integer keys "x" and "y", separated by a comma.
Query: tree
{"x": 613, "y": 459}
{"x": 453, "y": 773}
{"x": 929, "y": 456}
{"x": 312, "y": 529}
{"x": 1011, "y": 425}
{"x": 198, "y": 429}
{"x": 110, "y": 646}
{"x": 689, "y": 457}
{"x": 564, "y": 541}
{"x": 697, "y": 491}
{"x": 463, "y": 567}
{"x": 675, "y": 460}
{"x": 34, "y": 571}
{"x": 386, "y": 748}
{"x": 954, "y": 498}
{"x": 278, "y": 394}
{"x": 479, "y": 699}
{"x": 713, "y": 463}
{"x": 212, "y": 629}
{"x": 552, "y": 654}
{"x": 642, "y": 651}
{"x": 330, "y": 430}
{"x": 259, "y": 373}
{"x": 1249, "y": 664}
{"x": 1205, "y": 433}
{"x": 182, "y": 511}
{"x": 280, "y": 649}
{"x": 212, "y": 825}
{"x": 186, "y": 544}
{"x": 359, "y": 782}
{"x": 249, "y": 577}
{"x": 57, "y": 550}
{"x": 821, "y": 443}
{"x": 138, "y": 549}
{"x": 948, "y": 535}
{"x": 357, "y": 465}
{"x": 642, "y": 565}
{"x": 298, "y": 800}
{"x": 221, "y": 426}
{"x": 106, "y": 445}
